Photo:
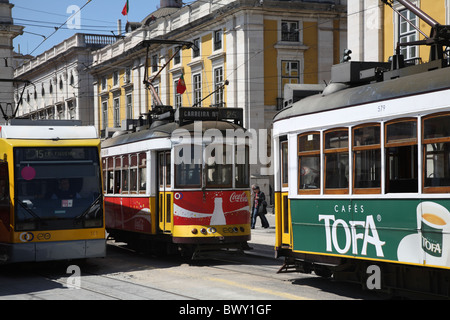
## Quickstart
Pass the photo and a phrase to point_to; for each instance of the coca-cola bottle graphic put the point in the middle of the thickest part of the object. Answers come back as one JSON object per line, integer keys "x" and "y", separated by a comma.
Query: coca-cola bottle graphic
{"x": 218, "y": 216}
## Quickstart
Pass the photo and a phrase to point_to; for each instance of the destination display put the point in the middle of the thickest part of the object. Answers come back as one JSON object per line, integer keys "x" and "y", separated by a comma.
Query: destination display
{"x": 210, "y": 114}
{"x": 54, "y": 154}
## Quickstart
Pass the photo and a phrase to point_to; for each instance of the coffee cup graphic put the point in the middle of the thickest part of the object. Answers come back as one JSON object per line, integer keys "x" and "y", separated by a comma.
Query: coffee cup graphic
{"x": 432, "y": 227}
{"x": 433, "y": 221}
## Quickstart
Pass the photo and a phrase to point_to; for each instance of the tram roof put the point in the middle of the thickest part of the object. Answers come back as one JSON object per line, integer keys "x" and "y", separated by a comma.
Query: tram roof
{"x": 43, "y": 131}
{"x": 346, "y": 96}
{"x": 165, "y": 131}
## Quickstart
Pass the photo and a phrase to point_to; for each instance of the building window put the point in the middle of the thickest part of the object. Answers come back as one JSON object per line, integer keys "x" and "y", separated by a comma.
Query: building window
{"x": 154, "y": 63}
{"x": 197, "y": 81}
{"x": 116, "y": 112}
{"x": 218, "y": 87}
{"x": 127, "y": 75}
{"x": 71, "y": 106}
{"x": 177, "y": 102}
{"x": 103, "y": 83}
{"x": 217, "y": 40}
{"x": 104, "y": 115}
{"x": 129, "y": 106}
{"x": 60, "y": 112}
{"x": 290, "y": 31}
{"x": 407, "y": 33}
{"x": 50, "y": 113}
{"x": 196, "y": 48}
{"x": 290, "y": 73}
{"x": 177, "y": 57}
{"x": 115, "y": 78}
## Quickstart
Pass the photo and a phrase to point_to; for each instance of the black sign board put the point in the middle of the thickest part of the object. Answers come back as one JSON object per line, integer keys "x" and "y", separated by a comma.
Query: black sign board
{"x": 190, "y": 114}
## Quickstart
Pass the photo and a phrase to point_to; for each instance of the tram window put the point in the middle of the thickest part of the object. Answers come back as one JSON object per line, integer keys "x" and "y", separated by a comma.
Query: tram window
{"x": 401, "y": 156}
{"x": 4, "y": 195}
{"x": 188, "y": 171}
{"x": 4, "y": 183}
{"x": 142, "y": 173}
{"x": 117, "y": 169}
{"x": 54, "y": 186}
{"x": 436, "y": 126}
{"x": 161, "y": 170}
{"x": 436, "y": 146}
{"x": 284, "y": 164}
{"x": 168, "y": 170}
{"x": 242, "y": 167}
{"x": 367, "y": 159}
{"x": 218, "y": 169}
{"x": 104, "y": 165}
{"x": 336, "y": 161}
{"x": 125, "y": 181}
{"x": 309, "y": 162}
{"x": 110, "y": 176}
{"x": 402, "y": 131}
{"x": 110, "y": 181}
{"x": 133, "y": 173}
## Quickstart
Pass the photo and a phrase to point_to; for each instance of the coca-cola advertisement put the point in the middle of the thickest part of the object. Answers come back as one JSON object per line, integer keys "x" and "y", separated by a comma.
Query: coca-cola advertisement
{"x": 211, "y": 207}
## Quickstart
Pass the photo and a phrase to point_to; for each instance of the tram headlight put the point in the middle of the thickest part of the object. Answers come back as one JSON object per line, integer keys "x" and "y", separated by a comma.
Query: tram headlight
{"x": 203, "y": 231}
{"x": 194, "y": 231}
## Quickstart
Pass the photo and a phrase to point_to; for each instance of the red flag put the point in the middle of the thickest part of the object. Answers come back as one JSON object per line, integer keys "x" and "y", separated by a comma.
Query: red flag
{"x": 181, "y": 85}
{"x": 125, "y": 9}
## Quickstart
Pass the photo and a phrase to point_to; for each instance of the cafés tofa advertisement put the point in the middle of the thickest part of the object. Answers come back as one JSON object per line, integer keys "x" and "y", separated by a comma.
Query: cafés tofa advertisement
{"x": 401, "y": 230}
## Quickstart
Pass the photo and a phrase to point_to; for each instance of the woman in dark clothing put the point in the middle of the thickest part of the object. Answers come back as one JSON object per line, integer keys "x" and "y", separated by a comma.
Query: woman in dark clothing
{"x": 258, "y": 208}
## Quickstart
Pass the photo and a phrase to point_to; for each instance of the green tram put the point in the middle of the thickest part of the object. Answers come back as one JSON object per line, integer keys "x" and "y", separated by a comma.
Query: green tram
{"x": 362, "y": 178}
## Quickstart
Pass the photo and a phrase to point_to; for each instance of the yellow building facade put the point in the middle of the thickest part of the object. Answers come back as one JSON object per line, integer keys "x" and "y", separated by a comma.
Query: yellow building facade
{"x": 396, "y": 29}
{"x": 243, "y": 55}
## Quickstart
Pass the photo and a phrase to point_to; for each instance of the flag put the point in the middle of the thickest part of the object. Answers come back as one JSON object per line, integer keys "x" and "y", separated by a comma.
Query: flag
{"x": 181, "y": 85}
{"x": 125, "y": 9}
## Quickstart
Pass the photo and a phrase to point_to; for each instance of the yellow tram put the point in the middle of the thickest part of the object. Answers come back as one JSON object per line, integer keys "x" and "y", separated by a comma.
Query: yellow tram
{"x": 51, "y": 202}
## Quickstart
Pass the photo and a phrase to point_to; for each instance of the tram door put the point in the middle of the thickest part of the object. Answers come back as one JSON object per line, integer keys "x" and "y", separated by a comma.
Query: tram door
{"x": 284, "y": 200}
{"x": 164, "y": 194}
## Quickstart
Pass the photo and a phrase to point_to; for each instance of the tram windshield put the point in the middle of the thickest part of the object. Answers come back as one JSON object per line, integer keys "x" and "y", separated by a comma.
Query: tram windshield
{"x": 211, "y": 167}
{"x": 57, "y": 188}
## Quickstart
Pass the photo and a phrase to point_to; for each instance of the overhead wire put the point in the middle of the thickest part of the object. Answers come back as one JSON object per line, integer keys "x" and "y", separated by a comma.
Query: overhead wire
{"x": 235, "y": 69}
{"x": 57, "y": 28}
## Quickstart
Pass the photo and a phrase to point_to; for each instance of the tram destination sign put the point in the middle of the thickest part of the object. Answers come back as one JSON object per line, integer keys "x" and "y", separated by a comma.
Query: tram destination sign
{"x": 191, "y": 114}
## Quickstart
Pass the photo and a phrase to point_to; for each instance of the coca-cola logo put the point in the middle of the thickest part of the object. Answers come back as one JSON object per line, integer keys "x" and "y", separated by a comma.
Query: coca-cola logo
{"x": 236, "y": 197}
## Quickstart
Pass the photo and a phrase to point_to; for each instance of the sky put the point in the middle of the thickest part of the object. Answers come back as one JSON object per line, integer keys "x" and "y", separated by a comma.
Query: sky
{"x": 43, "y": 18}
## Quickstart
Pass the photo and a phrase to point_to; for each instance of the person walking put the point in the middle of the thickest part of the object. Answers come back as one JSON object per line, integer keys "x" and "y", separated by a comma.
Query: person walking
{"x": 259, "y": 207}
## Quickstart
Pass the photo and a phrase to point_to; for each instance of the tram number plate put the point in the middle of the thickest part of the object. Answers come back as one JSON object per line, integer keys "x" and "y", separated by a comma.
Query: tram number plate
{"x": 381, "y": 108}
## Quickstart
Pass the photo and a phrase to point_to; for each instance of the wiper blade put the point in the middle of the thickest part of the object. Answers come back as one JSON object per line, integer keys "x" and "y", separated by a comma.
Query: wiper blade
{"x": 91, "y": 208}
{"x": 28, "y": 210}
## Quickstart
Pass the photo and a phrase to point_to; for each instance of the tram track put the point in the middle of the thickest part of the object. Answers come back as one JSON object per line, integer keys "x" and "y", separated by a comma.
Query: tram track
{"x": 111, "y": 287}
{"x": 127, "y": 275}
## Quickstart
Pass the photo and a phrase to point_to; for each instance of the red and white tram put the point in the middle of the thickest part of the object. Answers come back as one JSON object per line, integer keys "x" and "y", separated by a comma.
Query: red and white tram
{"x": 178, "y": 183}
